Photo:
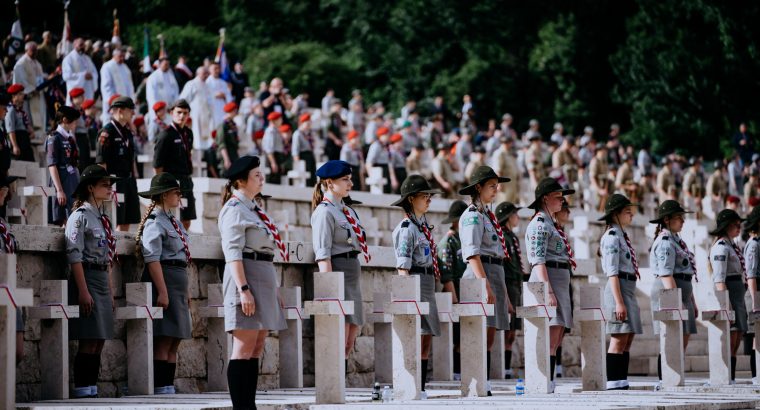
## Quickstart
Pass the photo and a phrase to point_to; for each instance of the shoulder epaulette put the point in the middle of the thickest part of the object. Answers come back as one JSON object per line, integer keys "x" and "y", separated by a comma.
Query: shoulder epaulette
{"x": 540, "y": 218}
{"x": 152, "y": 216}
{"x": 721, "y": 242}
{"x": 611, "y": 232}
{"x": 80, "y": 209}
{"x": 405, "y": 224}
{"x": 757, "y": 238}
{"x": 665, "y": 238}
{"x": 472, "y": 208}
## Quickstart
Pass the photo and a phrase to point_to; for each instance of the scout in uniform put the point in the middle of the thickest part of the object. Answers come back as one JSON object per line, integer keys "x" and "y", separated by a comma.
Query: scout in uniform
{"x": 379, "y": 155}
{"x": 227, "y": 139}
{"x": 452, "y": 266}
{"x": 416, "y": 254}
{"x": 484, "y": 248}
{"x": 163, "y": 245}
{"x": 6, "y": 148}
{"x": 62, "y": 156}
{"x": 752, "y": 259}
{"x": 173, "y": 154}
{"x": 398, "y": 157}
{"x": 8, "y": 244}
{"x": 563, "y": 218}
{"x": 116, "y": 153}
{"x": 158, "y": 123}
{"x": 673, "y": 264}
{"x": 339, "y": 238}
{"x": 81, "y": 132}
{"x": 351, "y": 152}
{"x": 728, "y": 271}
{"x": 18, "y": 125}
{"x": 251, "y": 301}
{"x": 506, "y": 213}
{"x": 274, "y": 148}
{"x": 90, "y": 250}
{"x": 302, "y": 148}
{"x": 599, "y": 176}
{"x": 551, "y": 259}
{"x": 621, "y": 267}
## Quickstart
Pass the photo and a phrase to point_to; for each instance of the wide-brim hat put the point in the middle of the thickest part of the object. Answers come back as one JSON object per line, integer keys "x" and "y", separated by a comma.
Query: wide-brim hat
{"x": 350, "y": 201}
{"x": 615, "y": 203}
{"x": 159, "y": 184}
{"x": 547, "y": 186}
{"x": 668, "y": 208}
{"x": 91, "y": 174}
{"x": 481, "y": 174}
{"x": 414, "y": 184}
{"x": 753, "y": 218}
{"x": 456, "y": 210}
{"x": 725, "y": 218}
{"x": 504, "y": 210}
{"x": 239, "y": 169}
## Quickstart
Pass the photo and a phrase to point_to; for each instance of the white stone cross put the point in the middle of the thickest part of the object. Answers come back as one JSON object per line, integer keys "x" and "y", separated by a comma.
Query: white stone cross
{"x": 139, "y": 314}
{"x": 718, "y": 323}
{"x": 110, "y": 205}
{"x": 472, "y": 311}
{"x": 382, "y": 326}
{"x": 537, "y": 313}
{"x": 34, "y": 203}
{"x": 219, "y": 343}
{"x": 11, "y": 298}
{"x": 329, "y": 310}
{"x": 291, "y": 340}
{"x": 593, "y": 339}
{"x": 443, "y": 345}
{"x": 375, "y": 180}
{"x": 671, "y": 316}
{"x": 54, "y": 312}
{"x": 299, "y": 175}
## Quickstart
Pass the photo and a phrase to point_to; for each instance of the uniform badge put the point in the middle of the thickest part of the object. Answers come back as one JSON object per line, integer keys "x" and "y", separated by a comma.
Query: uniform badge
{"x": 473, "y": 220}
{"x": 685, "y": 262}
{"x": 720, "y": 258}
{"x": 78, "y": 223}
{"x": 628, "y": 255}
{"x": 494, "y": 237}
{"x": 350, "y": 240}
{"x": 74, "y": 235}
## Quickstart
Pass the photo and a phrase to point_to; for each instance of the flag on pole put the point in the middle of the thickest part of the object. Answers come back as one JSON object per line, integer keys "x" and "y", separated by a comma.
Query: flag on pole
{"x": 65, "y": 46}
{"x": 221, "y": 58}
{"x": 17, "y": 37}
{"x": 146, "y": 67}
{"x": 161, "y": 48}
{"x": 116, "y": 39}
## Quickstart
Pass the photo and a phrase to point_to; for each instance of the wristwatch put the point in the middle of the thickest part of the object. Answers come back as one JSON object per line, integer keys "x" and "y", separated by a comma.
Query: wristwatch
{"x": 244, "y": 288}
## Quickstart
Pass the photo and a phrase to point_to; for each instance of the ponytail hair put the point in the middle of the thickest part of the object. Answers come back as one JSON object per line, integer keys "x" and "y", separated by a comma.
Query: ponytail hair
{"x": 656, "y": 234}
{"x": 138, "y": 235}
{"x": 606, "y": 227}
{"x": 318, "y": 194}
{"x": 226, "y": 192}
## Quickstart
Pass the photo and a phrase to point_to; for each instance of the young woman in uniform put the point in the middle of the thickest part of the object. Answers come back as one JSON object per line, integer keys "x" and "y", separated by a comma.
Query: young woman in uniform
{"x": 90, "y": 250}
{"x": 339, "y": 238}
{"x": 728, "y": 271}
{"x": 752, "y": 259}
{"x": 484, "y": 248}
{"x": 62, "y": 161}
{"x": 506, "y": 212}
{"x": 673, "y": 265}
{"x": 416, "y": 255}
{"x": 251, "y": 299}
{"x": 162, "y": 243}
{"x": 621, "y": 267}
{"x": 551, "y": 258}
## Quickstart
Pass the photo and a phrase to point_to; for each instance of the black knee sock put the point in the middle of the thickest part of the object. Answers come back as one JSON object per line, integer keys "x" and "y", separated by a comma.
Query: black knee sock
{"x": 253, "y": 369}
{"x": 236, "y": 382}
{"x": 488, "y": 365}
{"x": 171, "y": 369}
{"x": 610, "y": 367}
{"x": 558, "y": 360}
{"x": 346, "y": 366}
{"x": 552, "y": 363}
{"x": 81, "y": 377}
{"x": 752, "y": 364}
{"x": 659, "y": 367}
{"x": 94, "y": 369}
{"x": 424, "y": 373}
{"x": 626, "y": 364}
{"x": 159, "y": 373}
{"x": 457, "y": 362}
{"x": 733, "y": 368}
{"x": 507, "y": 359}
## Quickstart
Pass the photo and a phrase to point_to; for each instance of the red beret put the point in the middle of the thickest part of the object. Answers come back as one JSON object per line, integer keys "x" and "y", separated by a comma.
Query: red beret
{"x": 304, "y": 118}
{"x": 352, "y": 134}
{"x": 113, "y": 97}
{"x": 284, "y": 128}
{"x": 139, "y": 121}
{"x": 396, "y": 137}
{"x": 76, "y": 92}
{"x": 258, "y": 134}
{"x": 273, "y": 115}
{"x": 382, "y": 131}
{"x": 159, "y": 105}
{"x": 15, "y": 88}
{"x": 733, "y": 199}
{"x": 231, "y": 106}
{"x": 88, "y": 103}
{"x": 754, "y": 201}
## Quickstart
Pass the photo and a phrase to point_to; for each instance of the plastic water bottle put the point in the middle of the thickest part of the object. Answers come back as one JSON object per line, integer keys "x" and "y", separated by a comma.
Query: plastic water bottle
{"x": 387, "y": 394}
{"x": 376, "y": 392}
{"x": 520, "y": 388}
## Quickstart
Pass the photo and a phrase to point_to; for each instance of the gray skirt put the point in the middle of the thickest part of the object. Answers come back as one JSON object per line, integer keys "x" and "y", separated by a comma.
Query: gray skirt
{"x": 560, "y": 281}
{"x": 176, "y": 321}
{"x": 495, "y": 275}
{"x": 690, "y": 325}
{"x": 736, "y": 293}
{"x": 632, "y": 323}
{"x": 352, "y": 270}
{"x": 431, "y": 325}
{"x": 262, "y": 279}
{"x": 99, "y": 324}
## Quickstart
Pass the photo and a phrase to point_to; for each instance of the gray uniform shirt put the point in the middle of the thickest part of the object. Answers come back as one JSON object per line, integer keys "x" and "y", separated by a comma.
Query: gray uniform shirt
{"x": 478, "y": 235}
{"x": 724, "y": 261}
{"x": 616, "y": 257}
{"x": 14, "y": 120}
{"x": 667, "y": 257}
{"x": 543, "y": 241}
{"x": 85, "y": 237}
{"x": 411, "y": 245}
{"x": 331, "y": 232}
{"x": 272, "y": 141}
{"x": 160, "y": 241}
{"x": 378, "y": 154}
{"x": 752, "y": 257}
{"x": 351, "y": 155}
{"x": 300, "y": 143}
{"x": 242, "y": 229}
{"x": 398, "y": 160}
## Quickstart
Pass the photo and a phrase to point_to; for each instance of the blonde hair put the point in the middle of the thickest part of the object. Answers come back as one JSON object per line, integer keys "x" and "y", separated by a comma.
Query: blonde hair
{"x": 319, "y": 192}
{"x": 227, "y": 190}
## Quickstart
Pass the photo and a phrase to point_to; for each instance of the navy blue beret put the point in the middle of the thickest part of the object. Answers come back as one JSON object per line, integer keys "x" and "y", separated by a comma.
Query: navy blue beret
{"x": 239, "y": 169}
{"x": 334, "y": 169}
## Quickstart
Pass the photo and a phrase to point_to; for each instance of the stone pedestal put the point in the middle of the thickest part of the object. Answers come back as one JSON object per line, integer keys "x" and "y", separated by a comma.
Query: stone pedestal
{"x": 406, "y": 308}
{"x": 537, "y": 313}
{"x": 329, "y": 311}
{"x": 291, "y": 340}
{"x": 383, "y": 349}
{"x": 109, "y": 207}
{"x": 11, "y": 298}
{"x": 139, "y": 314}
{"x": 497, "y": 356}
{"x": 54, "y": 312}
{"x": 34, "y": 203}
{"x": 671, "y": 316}
{"x": 718, "y": 323}
{"x": 443, "y": 345}
{"x": 593, "y": 339}
{"x": 375, "y": 180}
{"x": 219, "y": 343}
{"x": 472, "y": 311}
